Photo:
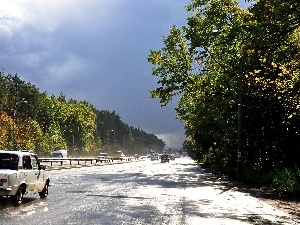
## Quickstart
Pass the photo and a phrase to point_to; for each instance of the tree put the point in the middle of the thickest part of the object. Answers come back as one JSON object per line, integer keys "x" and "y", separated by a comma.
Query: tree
{"x": 34, "y": 121}
{"x": 6, "y": 124}
{"x": 226, "y": 52}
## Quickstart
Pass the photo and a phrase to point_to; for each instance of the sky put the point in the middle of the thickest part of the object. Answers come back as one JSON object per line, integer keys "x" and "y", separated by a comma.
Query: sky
{"x": 94, "y": 50}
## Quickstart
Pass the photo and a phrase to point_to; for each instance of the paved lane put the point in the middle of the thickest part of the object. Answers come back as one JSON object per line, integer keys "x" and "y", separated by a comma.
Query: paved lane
{"x": 145, "y": 192}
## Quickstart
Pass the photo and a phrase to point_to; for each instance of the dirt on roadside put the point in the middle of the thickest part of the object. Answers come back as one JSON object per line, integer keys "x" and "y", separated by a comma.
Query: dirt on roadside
{"x": 286, "y": 204}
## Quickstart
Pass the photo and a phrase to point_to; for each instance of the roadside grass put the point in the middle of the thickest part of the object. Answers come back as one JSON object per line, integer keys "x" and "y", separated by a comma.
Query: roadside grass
{"x": 283, "y": 182}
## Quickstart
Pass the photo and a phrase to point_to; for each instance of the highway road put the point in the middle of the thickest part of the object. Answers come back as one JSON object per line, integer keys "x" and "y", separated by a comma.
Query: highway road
{"x": 141, "y": 192}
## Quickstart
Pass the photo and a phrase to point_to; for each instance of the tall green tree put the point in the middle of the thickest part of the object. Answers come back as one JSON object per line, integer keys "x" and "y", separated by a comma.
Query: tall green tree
{"x": 227, "y": 56}
{"x": 35, "y": 121}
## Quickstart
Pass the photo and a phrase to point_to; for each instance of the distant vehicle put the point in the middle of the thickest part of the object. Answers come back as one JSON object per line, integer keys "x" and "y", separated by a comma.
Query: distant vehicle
{"x": 172, "y": 157}
{"x": 154, "y": 156}
{"x": 177, "y": 155}
{"x": 122, "y": 157}
{"x": 164, "y": 158}
{"x": 118, "y": 155}
{"x": 21, "y": 174}
{"x": 136, "y": 156}
{"x": 59, "y": 154}
{"x": 103, "y": 157}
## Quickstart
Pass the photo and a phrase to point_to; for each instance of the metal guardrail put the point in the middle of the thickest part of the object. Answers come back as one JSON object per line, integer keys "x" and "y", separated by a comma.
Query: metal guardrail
{"x": 78, "y": 160}
{"x": 70, "y": 160}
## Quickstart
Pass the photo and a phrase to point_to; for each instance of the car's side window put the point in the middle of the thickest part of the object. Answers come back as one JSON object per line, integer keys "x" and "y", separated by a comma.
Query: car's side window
{"x": 27, "y": 162}
{"x": 15, "y": 163}
{"x": 34, "y": 162}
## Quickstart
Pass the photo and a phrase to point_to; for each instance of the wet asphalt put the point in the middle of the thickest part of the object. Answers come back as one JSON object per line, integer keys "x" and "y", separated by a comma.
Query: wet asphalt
{"x": 141, "y": 192}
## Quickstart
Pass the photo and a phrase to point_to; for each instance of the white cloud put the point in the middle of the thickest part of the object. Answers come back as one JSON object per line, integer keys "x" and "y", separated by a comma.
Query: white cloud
{"x": 44, "y": 16}
{"x": 173, "y": 140}
{"x": 9, "y": 20}
{"x": 70, "y": 67}
{"x": 5, "y": 34}
{"x": 93, "y": 49}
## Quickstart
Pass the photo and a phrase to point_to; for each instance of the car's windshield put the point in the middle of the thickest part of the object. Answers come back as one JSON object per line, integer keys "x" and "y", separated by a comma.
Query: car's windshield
{"x": 102, "y": 154}
{"x": 59, "y": 155}
{"x": 9, "y": 161}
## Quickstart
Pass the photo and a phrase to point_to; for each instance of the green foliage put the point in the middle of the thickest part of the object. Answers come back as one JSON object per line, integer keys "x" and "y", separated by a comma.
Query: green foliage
{"x": 255, "y": 177}
{"x": 33, "y": 120}
{"x": 113, "y": 132}
{"x": 173, "y": 66}
{"x": 226, "y": 53}
{"x": 285, "y": 182}
{"x": 6, "y": 124}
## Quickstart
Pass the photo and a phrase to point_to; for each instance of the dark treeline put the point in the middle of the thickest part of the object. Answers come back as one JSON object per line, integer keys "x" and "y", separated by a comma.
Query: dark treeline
{"x": 238, "y": 74}
{"x": 33, "y": 120}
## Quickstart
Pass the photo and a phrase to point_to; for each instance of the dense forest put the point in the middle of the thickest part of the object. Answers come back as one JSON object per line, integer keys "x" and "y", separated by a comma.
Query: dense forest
{"x": 236, "y": 71}
{"x": 33, "y": 120}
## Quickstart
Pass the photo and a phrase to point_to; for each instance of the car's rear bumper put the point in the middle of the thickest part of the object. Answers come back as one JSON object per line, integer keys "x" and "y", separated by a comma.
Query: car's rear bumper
{"x": 6, "y": 192}
{"x": 164, "y": 160}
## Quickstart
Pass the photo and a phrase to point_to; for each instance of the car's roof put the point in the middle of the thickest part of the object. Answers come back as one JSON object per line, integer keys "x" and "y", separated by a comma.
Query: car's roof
{"x": 22, "y": 152}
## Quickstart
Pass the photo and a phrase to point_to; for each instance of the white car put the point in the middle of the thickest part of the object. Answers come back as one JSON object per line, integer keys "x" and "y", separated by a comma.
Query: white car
{"x": 154, "y": 156}
{"x": 21, "y": 174}
{"x": 103, "y": 157}
{"x": 123, "y": 157}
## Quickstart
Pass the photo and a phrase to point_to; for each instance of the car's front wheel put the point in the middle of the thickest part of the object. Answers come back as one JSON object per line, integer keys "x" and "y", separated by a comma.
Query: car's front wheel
{"x": 44, "y": 192}
{"x": 18, "y": 197}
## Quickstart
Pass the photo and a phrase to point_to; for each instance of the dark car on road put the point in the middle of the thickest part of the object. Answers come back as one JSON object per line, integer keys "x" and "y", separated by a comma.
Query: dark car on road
{"x": 164, "y": 158}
